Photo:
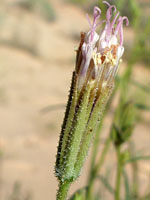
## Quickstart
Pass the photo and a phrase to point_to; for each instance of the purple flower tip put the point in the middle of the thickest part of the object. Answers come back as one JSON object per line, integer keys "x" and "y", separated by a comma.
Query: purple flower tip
{"x": 96, "y": 13}
{"x": 96, "y": 16}
{"x": 110, "y": 27}
{"x": 106, "y": 48}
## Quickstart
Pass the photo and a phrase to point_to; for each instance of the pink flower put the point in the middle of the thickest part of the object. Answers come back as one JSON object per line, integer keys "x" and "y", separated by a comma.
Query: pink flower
{"x": 98, "y": 55}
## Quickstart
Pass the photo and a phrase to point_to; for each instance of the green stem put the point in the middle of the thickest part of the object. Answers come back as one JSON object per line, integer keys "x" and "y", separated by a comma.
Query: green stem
{"x": 63, "y": 190}
{"x": 119, "y": 173}
{"x": 89, "y": 195}
{"x": 92, "y": 168}
{"x": 135, "y": 175}
{"x": 103, "y": 155}
{"x": 97, "y": 167}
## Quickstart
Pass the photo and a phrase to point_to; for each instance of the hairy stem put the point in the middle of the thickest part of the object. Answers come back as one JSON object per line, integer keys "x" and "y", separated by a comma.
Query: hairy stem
{"x": 63, "y": 190}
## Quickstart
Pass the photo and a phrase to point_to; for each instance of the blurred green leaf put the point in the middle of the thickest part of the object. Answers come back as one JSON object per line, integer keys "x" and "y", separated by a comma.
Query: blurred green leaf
{"x": 141, "y": 49}
{"x": 141, "y": 86}
{"x": 138, "y": 158}
{"x": 47, "y": 10}
{"x": 78, "y": 2}
{"x": 146, "y": 197}
{"x": 127, "y": 186}
{"x": 42, "y": 7}
{"x": 105, "y": 182}
{"x": 135, "y": 186}
{"x": 142, "y": 107}
{"x": 123, "y": 123}
{"x": 79, "y": 194}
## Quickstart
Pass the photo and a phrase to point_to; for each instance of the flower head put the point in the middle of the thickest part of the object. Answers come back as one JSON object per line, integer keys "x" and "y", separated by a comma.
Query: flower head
{"x": 98, "y": 55}
{"x": 97, "y": 62}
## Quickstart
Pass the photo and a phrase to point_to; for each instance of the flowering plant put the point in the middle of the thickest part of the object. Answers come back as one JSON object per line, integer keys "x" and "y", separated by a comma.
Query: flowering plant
{"x": 97, "y": 62}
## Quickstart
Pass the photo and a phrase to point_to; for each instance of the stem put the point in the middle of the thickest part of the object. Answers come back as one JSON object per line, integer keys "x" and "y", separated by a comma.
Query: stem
{"x": 103, "y": 155}
{"x": 95, "y": 170}
{"x": 63, "y": 190}
{"x": 135, "y": 177}
{"x": 92, "y": 167}
{"x": 119, "y": 173}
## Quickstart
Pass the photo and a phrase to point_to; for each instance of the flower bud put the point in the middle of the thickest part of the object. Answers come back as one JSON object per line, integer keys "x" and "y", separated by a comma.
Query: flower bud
{"x": 97, "y": 62}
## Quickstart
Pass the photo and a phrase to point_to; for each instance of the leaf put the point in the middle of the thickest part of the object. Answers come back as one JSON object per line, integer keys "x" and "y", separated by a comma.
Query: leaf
{"x": 137, "y": 158}
{"x": 98, "y": 196}
{"x": 142, "y": 106}
{"x": 141, "y": 86}
{"x": 79, "y": 194}
{"x": 127, "y": 186}
{"x": 146, "y": 197}
{"x": 106, "y": 184}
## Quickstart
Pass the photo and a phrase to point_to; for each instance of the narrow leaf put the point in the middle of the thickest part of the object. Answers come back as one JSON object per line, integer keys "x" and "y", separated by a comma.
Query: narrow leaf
{"x": 106, "y": 184}
{"x": 141, "y": 86}
{"x": 142, "y": 106}
{"x": 127, "y": 186}
{"x": 138, "y": 158}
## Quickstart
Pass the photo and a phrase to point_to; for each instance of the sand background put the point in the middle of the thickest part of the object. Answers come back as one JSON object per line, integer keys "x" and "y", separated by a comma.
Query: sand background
{"x": 36, "y": 63}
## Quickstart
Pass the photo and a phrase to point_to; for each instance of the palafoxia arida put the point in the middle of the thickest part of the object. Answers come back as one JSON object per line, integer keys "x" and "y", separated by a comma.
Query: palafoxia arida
{"x": 97, "y": 62}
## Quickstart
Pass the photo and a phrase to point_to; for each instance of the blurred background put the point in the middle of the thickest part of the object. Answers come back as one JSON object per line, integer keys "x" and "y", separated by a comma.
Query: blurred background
{"x": 37, "y": 42}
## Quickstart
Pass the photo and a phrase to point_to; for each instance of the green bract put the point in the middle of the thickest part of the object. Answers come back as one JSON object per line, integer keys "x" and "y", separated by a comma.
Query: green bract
{"x": 81, "y": 120}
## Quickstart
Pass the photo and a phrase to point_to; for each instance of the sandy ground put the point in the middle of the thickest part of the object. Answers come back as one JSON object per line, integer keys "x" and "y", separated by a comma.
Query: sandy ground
{"x": 31, "y": 82}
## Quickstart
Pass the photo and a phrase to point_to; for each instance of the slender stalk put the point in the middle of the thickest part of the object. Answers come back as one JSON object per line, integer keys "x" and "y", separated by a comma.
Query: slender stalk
{"x": 103, "y": 155}
{"x": 119, "y": 173}
{"x": 63, "y": 190}
{"x": 135, "y": 177}
{"x": 97, "y": 167}
{"x": 91, "y": 177}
